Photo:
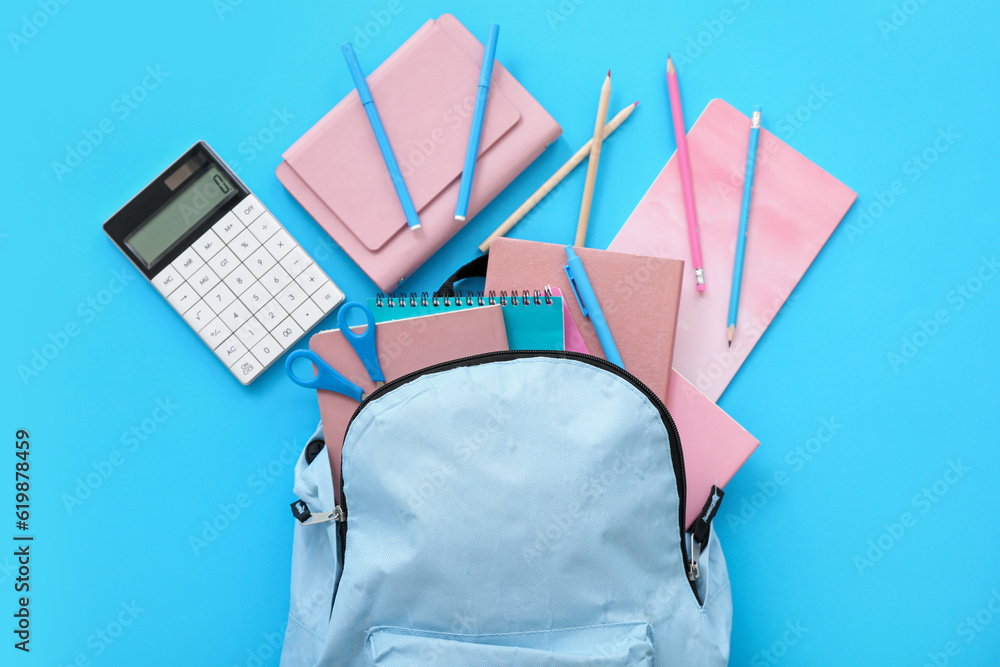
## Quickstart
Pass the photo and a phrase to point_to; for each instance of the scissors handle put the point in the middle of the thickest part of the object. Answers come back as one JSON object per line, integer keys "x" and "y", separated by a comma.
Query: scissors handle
{"x": 325, "y": 378}
{"x": 363, "y": 343}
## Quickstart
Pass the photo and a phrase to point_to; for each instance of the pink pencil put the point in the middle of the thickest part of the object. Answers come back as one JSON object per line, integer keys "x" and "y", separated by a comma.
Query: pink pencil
{"x": 685, "y": 169}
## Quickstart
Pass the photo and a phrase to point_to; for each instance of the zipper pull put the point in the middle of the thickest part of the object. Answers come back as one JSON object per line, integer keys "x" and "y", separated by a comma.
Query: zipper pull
{"x": 701, "y": 529}
{"x": 301, "y": 512}
{"x": 703, "y": 524}
{"x": 693, "y": 571}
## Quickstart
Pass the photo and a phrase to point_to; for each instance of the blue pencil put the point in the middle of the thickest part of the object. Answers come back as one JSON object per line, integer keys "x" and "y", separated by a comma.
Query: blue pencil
{"x": 412, "y": 219}
{"x": 741, "y": 239}
{"x": 472, "y": 152}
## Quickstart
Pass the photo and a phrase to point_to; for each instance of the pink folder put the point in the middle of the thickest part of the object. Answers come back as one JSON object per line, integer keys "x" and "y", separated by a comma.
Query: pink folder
{"x": 638, "y": 295}
{"x": 425, "y": 93}
{"x": 714, "y": 445}
{"x": 794, "y": 209}
{"x": 404, "y": 346}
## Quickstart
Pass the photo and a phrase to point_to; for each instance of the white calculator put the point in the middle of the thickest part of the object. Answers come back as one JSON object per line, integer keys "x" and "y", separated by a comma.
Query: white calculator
{"x": 223, "y": 262}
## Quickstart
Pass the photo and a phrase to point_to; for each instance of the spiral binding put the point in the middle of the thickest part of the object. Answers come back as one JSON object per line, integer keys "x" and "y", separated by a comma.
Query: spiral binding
{"x": 469, "y": 299}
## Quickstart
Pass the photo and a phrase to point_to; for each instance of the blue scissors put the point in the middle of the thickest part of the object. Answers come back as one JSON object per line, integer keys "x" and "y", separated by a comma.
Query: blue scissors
{"x": 331, "y": 380}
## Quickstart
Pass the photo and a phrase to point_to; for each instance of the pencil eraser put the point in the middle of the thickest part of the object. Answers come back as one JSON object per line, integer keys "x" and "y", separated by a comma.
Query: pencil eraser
{"x": 701, "y": 287}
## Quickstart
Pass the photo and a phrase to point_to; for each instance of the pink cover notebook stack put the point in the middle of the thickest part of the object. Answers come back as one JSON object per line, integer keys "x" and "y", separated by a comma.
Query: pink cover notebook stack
{"x": 794, "y": 208}
{"x": 403, "y": 346}
{"x": 425, "y": 93}
{"x": 638, "y": 296}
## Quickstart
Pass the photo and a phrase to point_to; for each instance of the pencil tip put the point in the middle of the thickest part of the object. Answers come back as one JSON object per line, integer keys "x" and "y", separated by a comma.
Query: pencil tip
{"x": 731, "y": 333}
{"x": 635, "y": 103}
{"x": 609, "y": 73}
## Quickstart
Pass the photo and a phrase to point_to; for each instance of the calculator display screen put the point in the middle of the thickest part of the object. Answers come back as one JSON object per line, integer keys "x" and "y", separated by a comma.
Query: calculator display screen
{"x": 179, "y": 215}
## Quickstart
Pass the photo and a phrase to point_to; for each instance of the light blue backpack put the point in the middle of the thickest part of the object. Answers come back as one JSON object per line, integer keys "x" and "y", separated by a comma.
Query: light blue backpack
{"x": 515, "y": 508}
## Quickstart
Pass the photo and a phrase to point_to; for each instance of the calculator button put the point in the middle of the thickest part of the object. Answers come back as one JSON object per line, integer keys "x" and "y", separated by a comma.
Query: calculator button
{"x": 255, "y": 297}
{"x": 223, "y": 262}
{"x": 296, "y": 261}
{"x": 208, "y": 245}
{"x": 203, "y": 280}
{"x": 244, "y": 244}
{"x": 231, "y": 351}
{"x": 291, "y": 297}
{"x": 214, "y": 333}
{"x": 260, "y": 262}
{"x": 188, "y": 263}
{"x": 240, "y": 279}
{"x": 279, "y": 244}
{"x": 235, "y": 315}
{"x": 167, "y": 280}
{"x": 246, "y": 369}
{"x": 199, "y": 315}
{"x": 228, "y": 227}
{"x": 287, "y": 332}
{"x": 251, "y": 332}
{"x": 220, "y": 297}
{"x": 311, "y": 279}
{"x": 272, "y": 314}
{"x": 267, "y": 349}
{"x": 264, "y": 227}
{"x": 308, "y": 314}
{"x": 275, "y": 280}
{"x": 328, "y": 296}
{"x": 183, "y": 298}
{"x": 248, "y": 210}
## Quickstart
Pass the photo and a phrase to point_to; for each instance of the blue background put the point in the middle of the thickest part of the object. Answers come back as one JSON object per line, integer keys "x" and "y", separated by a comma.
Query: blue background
{"x": 793, "y": 548}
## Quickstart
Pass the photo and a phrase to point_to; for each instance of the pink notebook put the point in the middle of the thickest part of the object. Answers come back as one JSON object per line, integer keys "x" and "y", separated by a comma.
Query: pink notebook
{"x": 404, "y": 346}
{"x": 714, "y": 445}
{"x": 794, "y": 209}
{"x": 571, "y": 333}
{"x": 425, "y": 93}
{"x": 638, "y": 296}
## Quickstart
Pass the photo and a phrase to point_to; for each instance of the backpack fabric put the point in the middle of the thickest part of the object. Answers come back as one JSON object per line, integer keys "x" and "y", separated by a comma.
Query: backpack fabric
{"x": 507, "y": 509}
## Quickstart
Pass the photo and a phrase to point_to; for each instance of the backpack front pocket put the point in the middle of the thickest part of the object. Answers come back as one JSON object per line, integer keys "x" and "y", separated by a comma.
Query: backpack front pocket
{"x": 615, "y": 645}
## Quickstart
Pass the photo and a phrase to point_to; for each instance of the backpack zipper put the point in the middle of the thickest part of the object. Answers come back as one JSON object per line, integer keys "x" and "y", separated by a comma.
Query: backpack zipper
{"x": 476, "y": 360}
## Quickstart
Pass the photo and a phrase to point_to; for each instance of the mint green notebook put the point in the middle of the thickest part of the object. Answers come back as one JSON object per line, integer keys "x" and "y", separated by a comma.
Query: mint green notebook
{"x": 532, "y": 322}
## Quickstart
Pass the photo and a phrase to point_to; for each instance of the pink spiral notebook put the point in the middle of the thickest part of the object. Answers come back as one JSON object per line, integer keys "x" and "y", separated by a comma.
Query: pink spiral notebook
{"x": 794, "y": 209}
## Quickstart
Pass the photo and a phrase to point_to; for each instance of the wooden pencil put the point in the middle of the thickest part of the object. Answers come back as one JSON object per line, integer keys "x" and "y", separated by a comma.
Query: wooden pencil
{"x": 555, "y": 179}
{"x": 595, "y": 157}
